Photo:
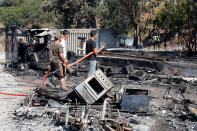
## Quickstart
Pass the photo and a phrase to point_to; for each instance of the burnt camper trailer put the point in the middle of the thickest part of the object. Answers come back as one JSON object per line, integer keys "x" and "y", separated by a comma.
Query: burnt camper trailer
{"x": 28, "y": 46}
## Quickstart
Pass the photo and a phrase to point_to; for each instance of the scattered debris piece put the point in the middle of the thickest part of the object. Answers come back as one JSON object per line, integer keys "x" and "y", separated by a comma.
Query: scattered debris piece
{"x": 94, "y": 87}
{"x": 135, "y": 100}
{"x": 128, "y": 69}
{"x": 46, "y": 93}
{"x": 53, "y": 103}
{"x": 110, "y": 71}
{"x": 193, "y": 109}
{"x": 141, "y": 128}
{"x": 138, "y": 75}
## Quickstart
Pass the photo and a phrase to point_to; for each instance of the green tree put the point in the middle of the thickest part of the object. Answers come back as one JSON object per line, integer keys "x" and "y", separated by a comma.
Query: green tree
{"x": 179, "y": 16}
{"x": 38, "y": 16}
{"x": 27, "y": 13}
{"x": 123, "y": 15}
{"x": 174, "y": 15}
{"x": 117, "y": 15}
{"x": 194, "y": 13}
{"x": 1, "y": 3}
{"x": 14, "y": 15}
{"x": 13, "y": 2}
{"x": 74, "y": 13}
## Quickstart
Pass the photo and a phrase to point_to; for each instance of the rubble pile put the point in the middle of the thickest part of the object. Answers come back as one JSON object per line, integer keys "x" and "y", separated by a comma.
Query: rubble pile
{"x": 23, "y": 69}
{"x": 134, "y": 98}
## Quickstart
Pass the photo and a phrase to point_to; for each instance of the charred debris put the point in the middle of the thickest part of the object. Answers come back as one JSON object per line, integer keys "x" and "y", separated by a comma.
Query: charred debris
{"x": 121, "y": 98}
{"x": 137, "y": 101}
{"x": 130, "y": 98}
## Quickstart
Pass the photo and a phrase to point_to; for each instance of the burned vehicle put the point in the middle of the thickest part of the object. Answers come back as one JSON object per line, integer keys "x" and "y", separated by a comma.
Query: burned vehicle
{"x": 37, "y": 48}
{"x": 25, "y": 45}
{"x": 30, "y": 46}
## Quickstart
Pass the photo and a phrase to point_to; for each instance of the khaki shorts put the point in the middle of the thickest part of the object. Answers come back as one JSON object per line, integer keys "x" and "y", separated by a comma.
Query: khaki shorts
{"x": 58, "y": 69}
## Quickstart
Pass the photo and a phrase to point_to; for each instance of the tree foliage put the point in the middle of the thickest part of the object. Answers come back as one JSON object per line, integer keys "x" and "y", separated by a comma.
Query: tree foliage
{"x": 194, "y": 13}
{"x": 13, "y": 2}
{"x": 118, "y": 15}
{"x": 179, "y": 16}
{"x": 74, "y": 13}
{"x": 24, "y": 13}
{"x": 176, "y": 15}
{"x": 123, "y": 15}
{"x": 14, "y": 15}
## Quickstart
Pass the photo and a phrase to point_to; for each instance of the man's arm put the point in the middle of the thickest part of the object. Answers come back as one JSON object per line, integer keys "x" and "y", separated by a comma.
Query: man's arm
{"x": 97, "y": 51}
{"x": 61, "y": 54}
{"x": 65, "y": 61}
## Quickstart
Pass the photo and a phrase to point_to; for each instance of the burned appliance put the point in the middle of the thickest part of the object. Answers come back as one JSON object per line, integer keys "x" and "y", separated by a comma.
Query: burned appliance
{"x": 135, "y": 100}
{"x": 94, "y": 87}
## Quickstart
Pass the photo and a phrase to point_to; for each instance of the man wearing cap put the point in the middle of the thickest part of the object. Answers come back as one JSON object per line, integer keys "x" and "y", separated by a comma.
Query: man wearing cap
{"x": 57, "y": 59}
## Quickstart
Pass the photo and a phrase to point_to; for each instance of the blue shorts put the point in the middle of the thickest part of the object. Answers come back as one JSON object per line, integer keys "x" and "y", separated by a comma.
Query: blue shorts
{"x": 92, "y": 67}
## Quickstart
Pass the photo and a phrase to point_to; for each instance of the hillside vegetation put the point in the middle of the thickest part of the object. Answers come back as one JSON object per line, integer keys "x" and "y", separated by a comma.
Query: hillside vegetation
{"x": 136, "y": 18}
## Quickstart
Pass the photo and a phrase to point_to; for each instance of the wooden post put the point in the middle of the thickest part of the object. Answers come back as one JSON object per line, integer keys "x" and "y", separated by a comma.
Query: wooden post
{"x": 67, "y": 116}
{"x": 109, "y": 128}
{"x": 104, "y": 109}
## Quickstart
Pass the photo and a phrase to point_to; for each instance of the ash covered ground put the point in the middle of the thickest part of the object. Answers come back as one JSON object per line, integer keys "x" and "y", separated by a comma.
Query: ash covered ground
{"x": 172, "y": 103}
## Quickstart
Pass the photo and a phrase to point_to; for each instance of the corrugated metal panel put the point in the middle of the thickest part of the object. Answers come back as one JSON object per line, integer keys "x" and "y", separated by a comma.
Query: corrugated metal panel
{"x": 73, "y": 42}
